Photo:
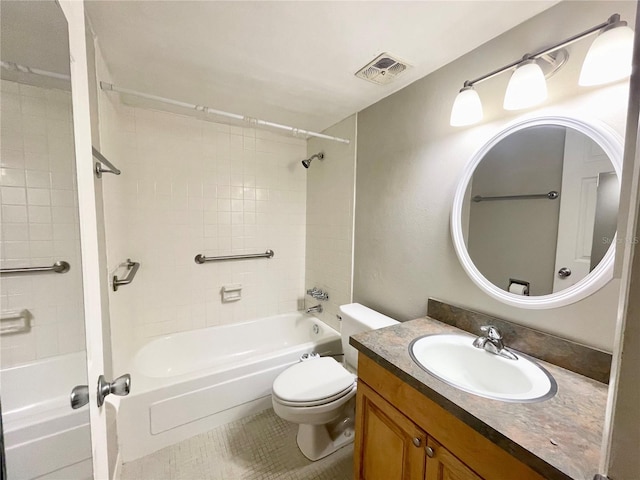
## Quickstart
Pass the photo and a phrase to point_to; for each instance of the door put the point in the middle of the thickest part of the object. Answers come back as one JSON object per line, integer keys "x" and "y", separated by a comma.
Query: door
{"x": 443, "y": 465}
{"x": 43, "y": 305}
{"x": 94, "y": 284}
{"x": 388, "y": 446}
{"x": 584, "y": 160}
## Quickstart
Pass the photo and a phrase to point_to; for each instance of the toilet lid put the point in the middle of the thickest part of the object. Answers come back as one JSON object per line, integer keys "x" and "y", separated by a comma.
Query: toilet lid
{"x": 312, "y": 380}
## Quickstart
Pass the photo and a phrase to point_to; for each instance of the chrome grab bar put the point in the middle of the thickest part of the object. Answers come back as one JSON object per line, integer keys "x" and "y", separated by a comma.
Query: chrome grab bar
{"x": 202, "y": 259}
{"x": 102, "y": 159}
{"x": 58, "y": 267}
{"x": 552, "y": 195}
{"x": 133, "y": 269}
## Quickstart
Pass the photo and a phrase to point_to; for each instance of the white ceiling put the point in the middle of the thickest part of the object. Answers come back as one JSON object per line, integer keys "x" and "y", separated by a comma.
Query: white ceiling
{"x": 291, "y": 62}
{"x": 34, "y": 33}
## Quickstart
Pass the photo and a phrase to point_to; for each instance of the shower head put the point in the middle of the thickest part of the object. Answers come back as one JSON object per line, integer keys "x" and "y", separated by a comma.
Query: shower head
{"x": 307, "y": 162}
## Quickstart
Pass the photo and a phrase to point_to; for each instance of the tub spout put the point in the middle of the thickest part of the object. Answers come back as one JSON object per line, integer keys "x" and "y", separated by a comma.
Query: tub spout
{"x": 316, "y": 309}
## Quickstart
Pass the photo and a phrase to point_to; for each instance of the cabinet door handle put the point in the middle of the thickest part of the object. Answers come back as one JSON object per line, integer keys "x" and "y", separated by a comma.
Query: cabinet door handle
{"x": 417, "y": 441}
{"x": 430, "y": 452}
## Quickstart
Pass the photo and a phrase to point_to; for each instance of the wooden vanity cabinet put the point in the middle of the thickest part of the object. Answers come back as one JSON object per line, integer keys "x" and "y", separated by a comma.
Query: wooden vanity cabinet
{"x": 403, "y": 435}
{"x": 389, "y": 446}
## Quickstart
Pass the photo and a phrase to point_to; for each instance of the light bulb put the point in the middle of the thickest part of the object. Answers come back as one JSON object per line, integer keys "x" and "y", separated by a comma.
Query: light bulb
{"x": 467, "y": 108}
{"x": 609, "y": 57}
{"x": 527, "y": 87}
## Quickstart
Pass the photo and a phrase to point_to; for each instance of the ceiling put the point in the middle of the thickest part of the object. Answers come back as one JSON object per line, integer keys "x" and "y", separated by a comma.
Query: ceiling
{"x": 34, "y": 33}
{"x": 291, "y": 62}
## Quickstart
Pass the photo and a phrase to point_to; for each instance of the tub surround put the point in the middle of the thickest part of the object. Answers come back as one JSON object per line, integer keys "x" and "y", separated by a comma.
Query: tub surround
{"x": 330, "y": 206}
{"x": 559, "y": 438}
{"x": 573, "y": 356}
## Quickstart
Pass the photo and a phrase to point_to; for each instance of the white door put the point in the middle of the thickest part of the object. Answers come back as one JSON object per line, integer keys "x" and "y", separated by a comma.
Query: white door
{"x": 584, "y": 160}
{"x": 89, "y": 232}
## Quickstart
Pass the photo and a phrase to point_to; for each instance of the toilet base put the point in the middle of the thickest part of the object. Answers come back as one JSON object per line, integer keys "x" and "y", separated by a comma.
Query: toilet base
{"x": 318, "y": 441}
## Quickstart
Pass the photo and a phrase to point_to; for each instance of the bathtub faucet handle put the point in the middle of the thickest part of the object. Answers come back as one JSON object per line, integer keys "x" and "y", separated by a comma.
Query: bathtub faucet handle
{"x": 121, "y": 386}
{"x": 79, "y": 396}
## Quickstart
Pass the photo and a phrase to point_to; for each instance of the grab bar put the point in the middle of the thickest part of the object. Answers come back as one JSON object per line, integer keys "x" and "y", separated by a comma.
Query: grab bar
{"x": 552, "y": 195}
{"x": 102, "y": 159}
{"x": 202, "y": 259}
{"x": 58, "y": 267}
{"x": 133, "y": 269}
{"x": 24, "y": 316}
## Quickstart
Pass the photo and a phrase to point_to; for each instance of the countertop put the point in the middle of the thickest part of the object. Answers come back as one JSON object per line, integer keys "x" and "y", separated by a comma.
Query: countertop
{"x": 564, "y": 432}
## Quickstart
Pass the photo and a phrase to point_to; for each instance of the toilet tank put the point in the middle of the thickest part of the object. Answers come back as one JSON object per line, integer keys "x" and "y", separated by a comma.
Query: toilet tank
{"x": 357, "y": 318}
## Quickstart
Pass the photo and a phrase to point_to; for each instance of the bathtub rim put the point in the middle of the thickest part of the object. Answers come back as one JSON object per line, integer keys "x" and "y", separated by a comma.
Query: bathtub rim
{"x": 142, "y": 383}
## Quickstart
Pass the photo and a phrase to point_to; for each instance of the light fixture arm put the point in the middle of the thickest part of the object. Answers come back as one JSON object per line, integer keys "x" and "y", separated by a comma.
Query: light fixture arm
{"x": 612, "y": 20}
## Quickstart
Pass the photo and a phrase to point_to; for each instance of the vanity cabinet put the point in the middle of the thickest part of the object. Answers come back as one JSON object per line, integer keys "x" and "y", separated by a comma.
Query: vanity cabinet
{"x": 403, "y": 435}
{"x": 389, "y": 446}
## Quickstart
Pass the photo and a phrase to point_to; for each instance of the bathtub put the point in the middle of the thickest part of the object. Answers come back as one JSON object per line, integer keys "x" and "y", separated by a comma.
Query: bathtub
{"x": 190, "y": 382}
{"x": 44, "y": 437}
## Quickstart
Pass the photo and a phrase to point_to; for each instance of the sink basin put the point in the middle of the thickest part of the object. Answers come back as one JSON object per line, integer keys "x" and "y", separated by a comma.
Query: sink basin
{"x": 453, "y": 359}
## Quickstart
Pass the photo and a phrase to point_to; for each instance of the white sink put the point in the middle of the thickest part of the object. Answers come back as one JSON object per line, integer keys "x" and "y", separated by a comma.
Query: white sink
{"x": 453, "y": 359}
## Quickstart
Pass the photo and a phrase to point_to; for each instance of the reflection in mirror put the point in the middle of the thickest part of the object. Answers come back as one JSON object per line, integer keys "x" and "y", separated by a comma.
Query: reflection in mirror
{"x": 42, "y": 325}
{"x": 540, "y": 210}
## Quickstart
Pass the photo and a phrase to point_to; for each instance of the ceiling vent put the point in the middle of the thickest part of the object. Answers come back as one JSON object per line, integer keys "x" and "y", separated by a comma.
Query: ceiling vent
{"x": 382, "y": 70}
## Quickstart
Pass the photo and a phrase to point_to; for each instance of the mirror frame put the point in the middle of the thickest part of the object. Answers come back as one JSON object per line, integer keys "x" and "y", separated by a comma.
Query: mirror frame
{"x": 611, "y": 143}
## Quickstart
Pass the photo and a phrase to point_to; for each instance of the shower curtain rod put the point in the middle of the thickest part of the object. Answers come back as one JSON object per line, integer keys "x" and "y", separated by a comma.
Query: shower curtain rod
{"x": 16, "y": 67}
{"x": 201, "y": 108}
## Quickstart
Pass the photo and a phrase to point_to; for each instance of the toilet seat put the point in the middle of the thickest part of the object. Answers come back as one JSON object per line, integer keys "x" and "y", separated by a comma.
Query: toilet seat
{"x": 315, "y": 403}
{"x": 313, "y": 382}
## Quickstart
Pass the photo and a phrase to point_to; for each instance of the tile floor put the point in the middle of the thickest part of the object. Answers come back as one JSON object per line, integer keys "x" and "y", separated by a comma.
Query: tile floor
{"x": 259, "y": 447}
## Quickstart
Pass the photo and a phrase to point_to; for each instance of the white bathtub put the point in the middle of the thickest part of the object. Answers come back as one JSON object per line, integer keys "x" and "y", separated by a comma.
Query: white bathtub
{"x": 187, "y": 383}
{"x": 44, "y": 437}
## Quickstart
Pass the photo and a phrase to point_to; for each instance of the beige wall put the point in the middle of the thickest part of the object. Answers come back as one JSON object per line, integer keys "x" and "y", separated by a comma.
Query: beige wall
{"x": 410, "y": 160}
{"x": 330, "y": 198}
{"x": 622, "y": 430}
{"x": 517, "y": 238}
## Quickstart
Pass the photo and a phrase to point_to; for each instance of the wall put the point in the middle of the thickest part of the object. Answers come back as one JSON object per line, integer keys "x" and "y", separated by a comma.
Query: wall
{"x": 410, "y": 159}
{"x": 330, "y": 206}
{"x": 38, "y": 199}
{"x": 517, "y": 238}
{"x": 193, "y": 186}
{"x": 622, "y": 426}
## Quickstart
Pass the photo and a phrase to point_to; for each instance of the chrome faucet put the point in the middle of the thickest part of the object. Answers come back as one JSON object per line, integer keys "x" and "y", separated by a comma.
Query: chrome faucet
{"x": 316, "y": 309}
{"x": 318, "y": 294}
{"x": 493, "y": 343}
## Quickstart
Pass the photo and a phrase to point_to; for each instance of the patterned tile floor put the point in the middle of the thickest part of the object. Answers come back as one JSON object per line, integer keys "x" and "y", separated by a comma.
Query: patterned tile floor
{"x": 259, "y": 447}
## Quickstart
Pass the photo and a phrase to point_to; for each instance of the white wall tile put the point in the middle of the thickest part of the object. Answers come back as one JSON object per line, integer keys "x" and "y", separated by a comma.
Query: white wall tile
{"x": 329, "y": 220}
{"x": 207, "y": 205}
{"x": 31, "y": 235}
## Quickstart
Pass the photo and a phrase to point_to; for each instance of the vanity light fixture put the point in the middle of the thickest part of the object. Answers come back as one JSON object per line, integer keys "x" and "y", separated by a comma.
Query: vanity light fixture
{"x": 609, "y": 57}
{"x": 467, "y": 108}
{"x": 608, "y": 60}
{"x": 527, "y": 86}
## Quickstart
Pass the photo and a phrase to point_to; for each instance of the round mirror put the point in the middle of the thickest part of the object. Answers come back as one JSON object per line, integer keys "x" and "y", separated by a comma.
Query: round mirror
{"x": 535, "y": 213}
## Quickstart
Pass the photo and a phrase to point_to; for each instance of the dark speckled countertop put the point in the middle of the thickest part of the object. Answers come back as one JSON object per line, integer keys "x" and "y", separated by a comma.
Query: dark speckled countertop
{"x": 560, "y": 437}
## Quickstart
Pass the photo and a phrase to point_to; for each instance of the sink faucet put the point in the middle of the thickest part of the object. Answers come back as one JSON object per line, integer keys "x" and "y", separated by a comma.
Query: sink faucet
{"x": 493, "y": 343}
{"x": 316, "y": 309}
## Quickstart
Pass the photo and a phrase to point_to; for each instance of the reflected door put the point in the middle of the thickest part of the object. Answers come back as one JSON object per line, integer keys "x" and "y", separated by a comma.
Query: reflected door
{"x": 584, "y": 161}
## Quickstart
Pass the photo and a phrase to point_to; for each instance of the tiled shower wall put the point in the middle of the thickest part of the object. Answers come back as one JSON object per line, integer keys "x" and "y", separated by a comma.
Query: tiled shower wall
{"x": 39, "y": 216}
{"x": 330, "y": 205}
{"x": 192, "y": 186}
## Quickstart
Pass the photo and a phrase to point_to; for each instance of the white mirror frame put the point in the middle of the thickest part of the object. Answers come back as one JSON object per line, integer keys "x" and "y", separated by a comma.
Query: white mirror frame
{"x": 612, "y": 144}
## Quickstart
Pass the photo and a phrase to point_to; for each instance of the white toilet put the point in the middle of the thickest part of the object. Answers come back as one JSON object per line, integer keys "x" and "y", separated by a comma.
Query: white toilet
{"x": 319, "y": 393}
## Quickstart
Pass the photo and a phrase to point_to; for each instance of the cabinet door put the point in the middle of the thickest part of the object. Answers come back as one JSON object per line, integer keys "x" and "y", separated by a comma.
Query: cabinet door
{"x": 388, "y": 446}
{"x": 443, "y": 465}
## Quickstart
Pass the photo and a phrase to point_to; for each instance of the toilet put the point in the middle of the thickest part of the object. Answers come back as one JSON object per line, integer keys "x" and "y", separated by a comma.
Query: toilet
{"x": 319, "y": 393}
